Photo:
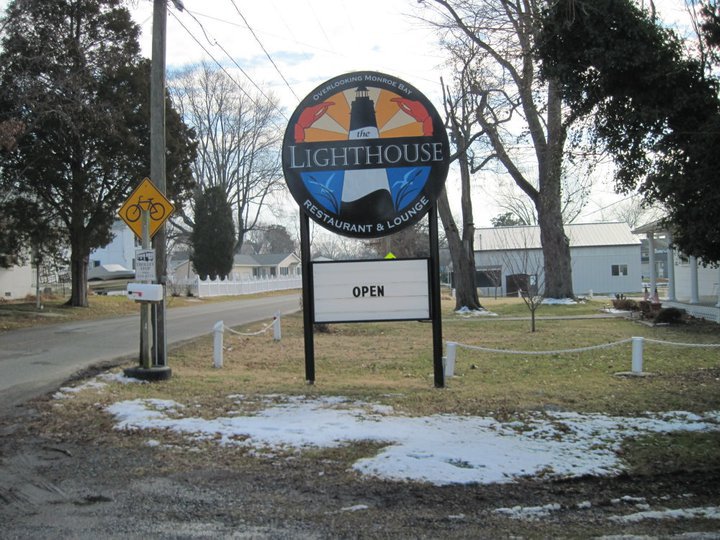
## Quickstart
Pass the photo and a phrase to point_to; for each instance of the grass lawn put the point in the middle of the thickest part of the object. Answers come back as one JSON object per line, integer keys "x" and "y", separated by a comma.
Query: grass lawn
{"x": 391, "y": 363}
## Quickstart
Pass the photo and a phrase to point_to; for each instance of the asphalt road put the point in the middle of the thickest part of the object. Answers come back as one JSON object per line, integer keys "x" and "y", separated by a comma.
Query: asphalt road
{"x": 34, "y": 361}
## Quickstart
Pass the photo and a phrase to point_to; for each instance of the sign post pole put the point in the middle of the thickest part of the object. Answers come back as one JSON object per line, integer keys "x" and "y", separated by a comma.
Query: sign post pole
{"x": 145, "y": 313}
{"x": 308, "y": 299}
{"x": 435, "y": 298}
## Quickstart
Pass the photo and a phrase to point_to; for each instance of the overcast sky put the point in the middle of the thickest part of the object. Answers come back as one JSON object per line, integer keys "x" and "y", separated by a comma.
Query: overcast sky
{"x": 310, "y": 41}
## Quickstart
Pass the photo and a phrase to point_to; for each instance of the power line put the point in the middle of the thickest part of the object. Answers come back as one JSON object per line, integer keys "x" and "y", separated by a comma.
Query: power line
{"x": 264, "y": 50}
{"x": 216, "y": 43}
{"x": 254, "y": 102}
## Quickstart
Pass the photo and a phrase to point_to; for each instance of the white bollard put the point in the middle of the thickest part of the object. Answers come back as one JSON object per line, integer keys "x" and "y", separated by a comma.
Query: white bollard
{"x": 218, "y": 330}
{"x": 637, "y": 354}
{"x": 449, "y": 360}
{"x": 277, "y": 330}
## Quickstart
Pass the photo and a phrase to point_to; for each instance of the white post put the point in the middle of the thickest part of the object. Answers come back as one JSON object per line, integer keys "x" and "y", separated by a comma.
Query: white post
{"x": 450, "y": 359}
{"x": 694, "y": 298}
{"x": 671, "y": 270}
{"x": 218, "y": 344}
{"x": 637, "y": 354}
{"x": 277, "y": 330}
{"x": 651, "y": 260}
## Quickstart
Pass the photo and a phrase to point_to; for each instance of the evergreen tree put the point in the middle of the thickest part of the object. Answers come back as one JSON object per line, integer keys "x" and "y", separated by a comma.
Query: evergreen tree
{"x": 72, "y": 76}
{"x": 213, "y": 235}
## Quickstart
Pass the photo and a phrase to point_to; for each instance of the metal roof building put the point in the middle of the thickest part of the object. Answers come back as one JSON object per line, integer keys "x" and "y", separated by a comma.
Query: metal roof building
{"x": 605, "y": 259}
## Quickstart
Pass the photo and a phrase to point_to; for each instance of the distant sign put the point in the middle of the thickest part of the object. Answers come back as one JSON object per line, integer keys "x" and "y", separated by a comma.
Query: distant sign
{"x": 365, "y": 155}
{"x": 146, "y": 197}
{"x": 385, "y": 290}
{"x": 145, "y": 265}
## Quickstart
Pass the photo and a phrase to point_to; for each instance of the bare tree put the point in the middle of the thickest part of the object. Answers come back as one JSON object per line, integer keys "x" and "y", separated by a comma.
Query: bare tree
{"x": 239, "y": 136}
{"x": 523, "y": 267}
{"x": 575, "y": 192}
{"x": 519, "y": 116}
{"x": 458, "y": 110}
{"x": 337, "y": 247}
{"x": 634, "y": 211}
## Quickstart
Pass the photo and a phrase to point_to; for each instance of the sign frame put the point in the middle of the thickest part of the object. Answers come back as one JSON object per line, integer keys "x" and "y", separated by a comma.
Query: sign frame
{"x": 371, "y": 181}
{"x": 409, "y": 293}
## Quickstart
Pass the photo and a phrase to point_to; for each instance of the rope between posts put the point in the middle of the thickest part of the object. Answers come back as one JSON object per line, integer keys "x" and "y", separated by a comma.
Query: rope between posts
{"x": 249, "y": 334}
{"x": 701, "y": 345}
{"x": 560, "y": 351}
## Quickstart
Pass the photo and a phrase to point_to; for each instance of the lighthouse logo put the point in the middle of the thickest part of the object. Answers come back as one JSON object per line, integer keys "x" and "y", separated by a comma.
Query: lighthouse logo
{"x": 365, "y": 155}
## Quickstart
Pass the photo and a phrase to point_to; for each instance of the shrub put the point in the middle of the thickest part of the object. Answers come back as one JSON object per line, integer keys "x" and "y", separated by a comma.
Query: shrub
{"x": 625, "y": 304}
{"x": 669, "y": 315}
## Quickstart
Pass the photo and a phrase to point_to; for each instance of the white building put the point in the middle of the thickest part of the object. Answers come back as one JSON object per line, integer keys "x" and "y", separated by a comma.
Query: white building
{"x": 605, "y": 259}
{"x": 120, "y": 251}
{"x": 691, "y": 286}
{"x": 17, "y": 282}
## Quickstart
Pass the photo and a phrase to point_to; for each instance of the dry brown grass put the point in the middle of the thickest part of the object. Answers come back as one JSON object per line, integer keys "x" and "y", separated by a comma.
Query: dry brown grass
{"x": 392, "y": 363}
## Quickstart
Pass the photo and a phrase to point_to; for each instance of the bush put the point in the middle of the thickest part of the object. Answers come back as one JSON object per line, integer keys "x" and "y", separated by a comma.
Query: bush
{"x": 625, "y": 304}
{"x": 669, "y": 315}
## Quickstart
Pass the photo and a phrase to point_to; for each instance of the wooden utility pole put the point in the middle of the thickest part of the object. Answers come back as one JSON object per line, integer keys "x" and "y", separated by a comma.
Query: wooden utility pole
{"x": 157, "y": 163}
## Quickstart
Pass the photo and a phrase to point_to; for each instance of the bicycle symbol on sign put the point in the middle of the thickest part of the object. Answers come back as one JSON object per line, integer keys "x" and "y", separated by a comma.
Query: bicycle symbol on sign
{"x": 134, "y": 211}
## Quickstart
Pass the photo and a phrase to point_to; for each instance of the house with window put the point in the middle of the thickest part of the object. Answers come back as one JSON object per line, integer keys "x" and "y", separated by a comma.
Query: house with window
{"x": 244, "y": 267}
{"x": 690, "y": 285}
{"x": 605, "y": 259}
{"x": 266, "y": 265}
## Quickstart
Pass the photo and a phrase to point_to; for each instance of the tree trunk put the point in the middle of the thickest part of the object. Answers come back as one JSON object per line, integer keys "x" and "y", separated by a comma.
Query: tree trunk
{"x": 79, "y": 277}
{"x": 555, "y": 244}
{"x": 463, "y": 257}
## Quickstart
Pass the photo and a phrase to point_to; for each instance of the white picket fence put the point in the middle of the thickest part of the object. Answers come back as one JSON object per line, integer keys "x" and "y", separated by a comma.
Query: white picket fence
{"x": 234, "y": 287}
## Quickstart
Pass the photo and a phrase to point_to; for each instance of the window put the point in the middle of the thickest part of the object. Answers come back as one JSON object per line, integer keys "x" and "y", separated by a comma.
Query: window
{"x": 488, "y": 277}
{"x": 619, "y": 270}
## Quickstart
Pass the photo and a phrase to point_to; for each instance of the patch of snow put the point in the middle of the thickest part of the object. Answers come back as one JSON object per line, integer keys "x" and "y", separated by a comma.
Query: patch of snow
{"x": 529, "y": 512}
{"x": 96, "y": 383}
{"x": 355, "y": 508}
{"x": 559, "y": 301}
{"x": 708, "y": 512}
{"x": 467, "y": 312}
{"x": 440, "y": 449}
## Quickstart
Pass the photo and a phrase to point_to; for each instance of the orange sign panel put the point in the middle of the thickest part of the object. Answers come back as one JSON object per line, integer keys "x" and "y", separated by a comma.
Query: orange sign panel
{"x": 146, "y": 197}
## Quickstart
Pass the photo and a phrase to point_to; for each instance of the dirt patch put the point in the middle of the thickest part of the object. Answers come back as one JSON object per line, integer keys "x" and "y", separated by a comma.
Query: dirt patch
{"x": 61, "y": 482}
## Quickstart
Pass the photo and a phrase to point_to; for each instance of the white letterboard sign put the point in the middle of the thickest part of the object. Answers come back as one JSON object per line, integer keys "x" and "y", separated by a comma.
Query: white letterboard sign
{"x": 386, "y": 290}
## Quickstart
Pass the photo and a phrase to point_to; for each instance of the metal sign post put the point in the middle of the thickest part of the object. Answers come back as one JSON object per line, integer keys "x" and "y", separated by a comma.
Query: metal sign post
{"x": 145, "y": 307}
{"x": 307, "y": 297}
{"x": 436, "y": 315}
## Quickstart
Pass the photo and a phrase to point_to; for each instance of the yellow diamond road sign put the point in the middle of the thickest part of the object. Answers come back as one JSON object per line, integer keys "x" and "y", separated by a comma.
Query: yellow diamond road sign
{"x": 146, "y": 197}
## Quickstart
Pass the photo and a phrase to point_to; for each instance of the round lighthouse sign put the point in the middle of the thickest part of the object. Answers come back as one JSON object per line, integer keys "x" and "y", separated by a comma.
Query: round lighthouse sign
{"x": 365, "y": 154}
